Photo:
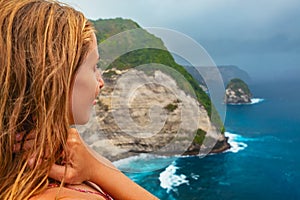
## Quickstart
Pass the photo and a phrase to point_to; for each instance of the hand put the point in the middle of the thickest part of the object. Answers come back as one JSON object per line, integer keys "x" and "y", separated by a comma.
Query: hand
{"x": 28, "y": 141}
{"x": 26, "y": 145}
{"x": 80, "y": 158}
{"x": 80, "y": 163}
{"x": 84, "y": 165}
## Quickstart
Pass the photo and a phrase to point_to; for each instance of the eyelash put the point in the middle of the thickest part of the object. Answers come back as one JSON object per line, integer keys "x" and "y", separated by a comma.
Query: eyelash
{"x": 97, "y": 69}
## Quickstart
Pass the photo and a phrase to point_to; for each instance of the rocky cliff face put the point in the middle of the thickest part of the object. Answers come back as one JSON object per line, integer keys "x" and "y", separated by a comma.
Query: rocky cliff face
{"x": 237, "y": 92}
{"x": 138, "y": 112}
{"x": 150, "y": 104}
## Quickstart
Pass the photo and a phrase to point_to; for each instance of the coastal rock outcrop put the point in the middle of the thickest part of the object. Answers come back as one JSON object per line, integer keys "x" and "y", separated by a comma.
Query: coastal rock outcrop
{"x": 151, "y": 118}
{"x": 237, "y": 92}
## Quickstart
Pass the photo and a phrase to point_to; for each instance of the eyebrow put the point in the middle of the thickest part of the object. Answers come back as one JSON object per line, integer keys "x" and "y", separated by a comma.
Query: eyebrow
{"x": 98, "y": 60}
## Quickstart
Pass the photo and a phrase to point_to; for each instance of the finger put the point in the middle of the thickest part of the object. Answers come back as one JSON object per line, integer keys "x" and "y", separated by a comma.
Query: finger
{"x": 27, "y": 145}
{"x": 57, "y": 172}
{"x": 30, "y": 136}
{"x": 19, "y": 136}
{"x": 73, "y": 136}
{"x": 32, "y": 161}
{"x": 61, "y": 173}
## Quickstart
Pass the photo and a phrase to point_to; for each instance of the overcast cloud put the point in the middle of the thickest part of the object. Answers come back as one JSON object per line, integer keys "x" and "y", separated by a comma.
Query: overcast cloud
{"x": 257, "y": 36}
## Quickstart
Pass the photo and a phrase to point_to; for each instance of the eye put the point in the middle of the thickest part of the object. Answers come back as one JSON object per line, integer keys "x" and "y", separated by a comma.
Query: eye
{"x": 98, "y": 66}
{"x": 97, "y": 70}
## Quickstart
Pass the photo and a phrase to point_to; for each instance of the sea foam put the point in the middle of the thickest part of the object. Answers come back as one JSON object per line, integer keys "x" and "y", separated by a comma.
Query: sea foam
{"x": 169, "y": 180}
{"x": 236, "y": 142}
{"x": 256, "y": 100}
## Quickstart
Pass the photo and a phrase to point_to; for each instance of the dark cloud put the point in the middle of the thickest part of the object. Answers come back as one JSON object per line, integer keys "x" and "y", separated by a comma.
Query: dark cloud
{"x": 252, "y": 34}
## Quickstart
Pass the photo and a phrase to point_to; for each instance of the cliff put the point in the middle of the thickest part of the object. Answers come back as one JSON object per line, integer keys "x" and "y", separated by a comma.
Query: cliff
{"x": 149, "y": 109}
{"x": 237, "y": 92}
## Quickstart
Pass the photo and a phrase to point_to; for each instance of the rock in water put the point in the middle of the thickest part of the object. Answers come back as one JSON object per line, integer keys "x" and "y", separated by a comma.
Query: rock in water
{"x": 237, "y": 92}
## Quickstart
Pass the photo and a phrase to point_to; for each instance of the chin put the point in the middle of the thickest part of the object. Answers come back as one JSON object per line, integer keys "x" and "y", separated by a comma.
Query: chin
{"x": 82, "y": 120}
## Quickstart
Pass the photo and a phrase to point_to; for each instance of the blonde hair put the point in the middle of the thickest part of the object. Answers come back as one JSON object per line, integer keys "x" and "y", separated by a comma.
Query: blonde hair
{"x": 42, "y": 43}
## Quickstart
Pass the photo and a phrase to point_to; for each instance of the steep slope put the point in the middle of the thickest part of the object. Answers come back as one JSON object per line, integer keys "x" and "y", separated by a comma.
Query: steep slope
{"x": 151, "y": 119}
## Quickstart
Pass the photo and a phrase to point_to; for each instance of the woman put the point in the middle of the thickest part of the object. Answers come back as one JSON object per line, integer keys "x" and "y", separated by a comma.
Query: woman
{"x": 48, "y": 82}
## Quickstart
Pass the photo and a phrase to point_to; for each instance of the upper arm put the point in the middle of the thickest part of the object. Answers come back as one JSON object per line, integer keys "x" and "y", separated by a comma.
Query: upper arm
{"x": 64, "y": 194}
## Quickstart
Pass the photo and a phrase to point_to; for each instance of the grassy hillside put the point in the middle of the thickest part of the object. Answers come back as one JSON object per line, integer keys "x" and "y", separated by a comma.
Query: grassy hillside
{"x": 236, "y": 84}
{"x": 109, "y": 27}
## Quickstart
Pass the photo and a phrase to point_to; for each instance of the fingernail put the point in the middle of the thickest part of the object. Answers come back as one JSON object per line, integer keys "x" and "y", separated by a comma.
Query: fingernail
{"x": 18, "y": 136}
{"x": 31, "y": 162}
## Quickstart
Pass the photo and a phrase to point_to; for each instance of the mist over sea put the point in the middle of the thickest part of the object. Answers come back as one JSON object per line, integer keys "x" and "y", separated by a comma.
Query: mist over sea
{"x": 264, "y": 162}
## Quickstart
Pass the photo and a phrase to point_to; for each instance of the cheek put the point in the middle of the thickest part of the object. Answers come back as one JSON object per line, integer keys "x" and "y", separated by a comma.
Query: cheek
{"x": 83, "y": 95}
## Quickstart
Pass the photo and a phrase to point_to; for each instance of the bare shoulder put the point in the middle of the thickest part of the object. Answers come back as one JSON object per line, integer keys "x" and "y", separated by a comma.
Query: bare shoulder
{"x": 65, "y": 194}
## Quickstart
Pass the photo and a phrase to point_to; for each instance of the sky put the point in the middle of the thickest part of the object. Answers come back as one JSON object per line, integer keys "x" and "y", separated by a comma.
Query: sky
{"x": 261, "y": 37}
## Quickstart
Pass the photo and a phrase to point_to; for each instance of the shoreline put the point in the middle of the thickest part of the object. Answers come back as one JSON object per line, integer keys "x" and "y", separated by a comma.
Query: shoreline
{"x": 234, "y": 145}
{"x": 220, "y": 147}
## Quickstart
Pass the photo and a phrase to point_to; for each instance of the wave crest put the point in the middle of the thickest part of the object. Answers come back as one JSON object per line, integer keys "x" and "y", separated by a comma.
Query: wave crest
{"x": 256, "y": 100}
{"x": 169, "y": 180}
{"x": 236, "y": 142}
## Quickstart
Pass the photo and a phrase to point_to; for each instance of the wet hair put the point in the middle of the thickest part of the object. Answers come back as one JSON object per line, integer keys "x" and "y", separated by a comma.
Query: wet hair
{"x": 42, "y": 44}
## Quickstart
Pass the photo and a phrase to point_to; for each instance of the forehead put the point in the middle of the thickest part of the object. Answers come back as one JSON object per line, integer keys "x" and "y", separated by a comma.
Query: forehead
{"x": 93, "y": 54}
{"x": 94, "y": 46}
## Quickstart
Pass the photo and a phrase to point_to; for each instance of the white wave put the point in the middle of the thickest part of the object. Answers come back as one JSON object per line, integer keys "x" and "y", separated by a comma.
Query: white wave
{"x": 235, "y": 142}
{"x": 169, "y": 180}
{"x": 253, "y": 101}
{"x": 195, "y": 176}
{"x": 256, "y": 100}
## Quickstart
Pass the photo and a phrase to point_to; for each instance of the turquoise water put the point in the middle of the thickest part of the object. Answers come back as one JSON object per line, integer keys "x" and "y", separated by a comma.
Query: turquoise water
{"x": 264, "y": 163}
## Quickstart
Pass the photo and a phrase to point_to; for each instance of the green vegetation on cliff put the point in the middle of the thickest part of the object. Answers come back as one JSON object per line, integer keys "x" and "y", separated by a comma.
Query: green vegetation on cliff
{"x": 110, "y": 27}
{"x": 237, "y": 92}
{"x": 200, "y": 135}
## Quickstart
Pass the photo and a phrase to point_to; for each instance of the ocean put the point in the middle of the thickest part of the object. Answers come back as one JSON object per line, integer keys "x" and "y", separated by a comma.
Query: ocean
{"x": 263, "y": 163}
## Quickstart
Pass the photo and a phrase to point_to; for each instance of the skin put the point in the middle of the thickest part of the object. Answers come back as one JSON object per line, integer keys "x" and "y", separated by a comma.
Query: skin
{"x": 86, "y": 87}
{"x": 85, "y": 165}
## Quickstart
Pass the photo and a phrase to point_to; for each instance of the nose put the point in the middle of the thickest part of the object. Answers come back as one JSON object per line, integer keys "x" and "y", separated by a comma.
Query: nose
{"x": 100, "y": 80}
